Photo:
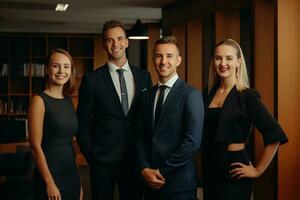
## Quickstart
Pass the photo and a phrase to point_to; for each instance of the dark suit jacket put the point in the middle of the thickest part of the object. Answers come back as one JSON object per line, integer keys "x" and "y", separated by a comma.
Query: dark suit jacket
{"x": 170, "y": 146}
{"x": 240, "y": 110}
{"x": 112, "y": 137}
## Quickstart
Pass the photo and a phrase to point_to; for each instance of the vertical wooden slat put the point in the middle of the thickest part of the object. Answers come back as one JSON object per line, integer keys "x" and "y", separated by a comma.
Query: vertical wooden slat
{"x": 194, "y": 52}
{"x": 154, "y": 33}
{"x": 289, "y": 97}
{"x": 264, "y": 83}
{"x": 179, "y": 32}
{"x": 100, "y": 56}
{"x": 227, "y": 25}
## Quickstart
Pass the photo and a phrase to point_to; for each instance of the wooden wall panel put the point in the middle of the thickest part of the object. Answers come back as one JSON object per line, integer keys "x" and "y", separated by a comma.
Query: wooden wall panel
{"x": 154, "y": 33}
{"x": 99, "y": 52}
{"x": 227, "y": 25}
{"x": 179, "y": 31}
{"x": 289, "y": 97}
{"x": 194, "y": 53}
{"x": 264, "y": 82}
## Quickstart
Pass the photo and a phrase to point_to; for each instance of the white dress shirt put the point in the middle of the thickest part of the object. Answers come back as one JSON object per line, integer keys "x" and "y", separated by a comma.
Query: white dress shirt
{"x": 169, "y": 85}
{"x": 128, "y": 76}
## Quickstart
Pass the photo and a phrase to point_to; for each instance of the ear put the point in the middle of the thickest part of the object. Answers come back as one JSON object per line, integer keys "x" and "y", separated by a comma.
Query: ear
{"x": 179, "y": 59}
{"x": 240, "y": 62}
{"x": 126, "y": 42}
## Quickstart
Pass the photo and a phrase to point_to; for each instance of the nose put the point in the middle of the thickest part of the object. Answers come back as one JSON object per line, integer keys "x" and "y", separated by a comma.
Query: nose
{"x": 164, "y": 60}
{"x": 115, "y": 42}
{"x": 223, "y": 62}
{"x": 61, "y": 69}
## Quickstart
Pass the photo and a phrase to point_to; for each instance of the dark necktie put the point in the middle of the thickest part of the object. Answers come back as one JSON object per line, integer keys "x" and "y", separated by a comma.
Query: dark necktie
{"x": 124, "y": 95}
{"x": 159, "y": 103}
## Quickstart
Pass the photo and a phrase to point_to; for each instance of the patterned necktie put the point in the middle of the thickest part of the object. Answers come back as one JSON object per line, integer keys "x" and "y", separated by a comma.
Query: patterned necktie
{"x": 159, "y": 103}
{"x": 124, "y": 95}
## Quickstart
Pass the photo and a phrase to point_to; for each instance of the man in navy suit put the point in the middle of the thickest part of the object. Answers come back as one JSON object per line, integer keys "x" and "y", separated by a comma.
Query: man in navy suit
{"x": 107, "y": 116}
{"x": 170, "y": 130}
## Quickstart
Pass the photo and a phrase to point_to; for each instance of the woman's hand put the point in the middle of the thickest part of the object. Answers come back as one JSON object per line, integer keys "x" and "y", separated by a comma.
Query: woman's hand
{"x": 241, "y": 171}
{"x": 53, "y": 192}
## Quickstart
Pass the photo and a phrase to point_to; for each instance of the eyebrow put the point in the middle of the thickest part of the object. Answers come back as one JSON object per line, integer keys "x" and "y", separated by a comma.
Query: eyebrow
{"x": 55, "y": 63}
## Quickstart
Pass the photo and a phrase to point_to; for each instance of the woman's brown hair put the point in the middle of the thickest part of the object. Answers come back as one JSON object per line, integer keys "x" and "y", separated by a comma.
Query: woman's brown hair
{"x": 69, "y": 86}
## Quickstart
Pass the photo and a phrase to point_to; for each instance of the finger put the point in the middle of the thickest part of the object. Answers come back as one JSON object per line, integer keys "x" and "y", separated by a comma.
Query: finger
{"x": 237, "y": 164}
{"x": 235, "y": 170}
{"x": 236, "y": 174}
{"x": 160, "y": 177}
{"x": 159, "y": 184}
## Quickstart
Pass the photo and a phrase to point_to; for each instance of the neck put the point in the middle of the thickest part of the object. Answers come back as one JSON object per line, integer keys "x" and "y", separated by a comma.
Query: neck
{"x": 119, "y": 62}
{"x": 227, "y": 84}
{"x": 163, "y": 80}
{"x": 55, "y": 91}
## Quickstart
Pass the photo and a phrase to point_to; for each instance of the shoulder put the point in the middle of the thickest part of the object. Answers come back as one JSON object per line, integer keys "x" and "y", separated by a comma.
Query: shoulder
{"x": 249, "y": 93}
{"x": 188, "y": 89}
{"x": 139, "y": 70}
{"x": 94, "y": 75}
{"x": 37, "y": 98}
{"x": 37, "y": 102}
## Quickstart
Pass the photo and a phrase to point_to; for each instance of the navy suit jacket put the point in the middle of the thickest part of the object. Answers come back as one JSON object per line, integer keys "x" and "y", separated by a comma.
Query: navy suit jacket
{"x": 170, "y": 146}
{"x": 105, "y": 135}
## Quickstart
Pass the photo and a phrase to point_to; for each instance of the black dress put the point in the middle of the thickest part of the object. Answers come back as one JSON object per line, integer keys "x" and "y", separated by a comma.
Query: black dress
{"x": 60, "y": 124}
{"x": 217, "y": 182}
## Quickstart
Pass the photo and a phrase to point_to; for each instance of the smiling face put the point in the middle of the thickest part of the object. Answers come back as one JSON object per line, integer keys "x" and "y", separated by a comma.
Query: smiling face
{"x": 226, "y": 62}
{"x": 59, "y": 69}
{"x": 115, "y": 43}
{"x": 166, "y": 59}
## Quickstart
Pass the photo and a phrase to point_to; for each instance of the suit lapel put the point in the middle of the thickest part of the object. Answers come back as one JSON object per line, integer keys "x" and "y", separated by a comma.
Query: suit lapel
{"x": 111, "y": 88}
{"x": 137, "y": 85}
{"x": 152, "y": 100}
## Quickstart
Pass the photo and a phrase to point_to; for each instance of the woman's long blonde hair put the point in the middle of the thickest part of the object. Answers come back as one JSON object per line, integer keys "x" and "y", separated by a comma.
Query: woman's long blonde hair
{"x": 241, "y": 74}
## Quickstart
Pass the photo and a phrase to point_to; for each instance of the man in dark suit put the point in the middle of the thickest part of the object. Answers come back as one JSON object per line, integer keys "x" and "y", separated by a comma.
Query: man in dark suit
{"x": 107, "y": 100}
{"x": 170, "y": 130}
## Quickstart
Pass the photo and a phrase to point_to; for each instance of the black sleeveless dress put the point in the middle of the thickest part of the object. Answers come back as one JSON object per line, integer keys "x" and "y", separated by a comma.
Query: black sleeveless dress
{"x": 60, "y": 124}
{"x": 217, "y": 182}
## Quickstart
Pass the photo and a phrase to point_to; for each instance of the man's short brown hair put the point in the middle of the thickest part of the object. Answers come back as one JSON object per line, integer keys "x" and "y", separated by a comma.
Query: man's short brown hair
{"x": 167, "y": 40}
{"x": 112, "y": 24}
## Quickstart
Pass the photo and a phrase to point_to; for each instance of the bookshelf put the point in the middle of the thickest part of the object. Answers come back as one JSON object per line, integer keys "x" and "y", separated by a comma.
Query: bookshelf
{"x": 22, "y": 61}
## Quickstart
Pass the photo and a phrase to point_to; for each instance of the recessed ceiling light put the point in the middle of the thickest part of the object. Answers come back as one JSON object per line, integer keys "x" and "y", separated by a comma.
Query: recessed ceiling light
{"x": 61, "y": 7}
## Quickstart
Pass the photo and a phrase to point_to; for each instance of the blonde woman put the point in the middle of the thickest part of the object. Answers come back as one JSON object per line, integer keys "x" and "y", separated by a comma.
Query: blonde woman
{"x": 52, "y": 123}
{"x": 231, "y": 110}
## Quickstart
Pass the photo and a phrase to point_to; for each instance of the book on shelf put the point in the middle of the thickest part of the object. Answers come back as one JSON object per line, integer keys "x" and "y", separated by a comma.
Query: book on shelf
{"x": 19, "y": 70}
{"x": 37, "y": 70}
{"x": 3, "y": 69}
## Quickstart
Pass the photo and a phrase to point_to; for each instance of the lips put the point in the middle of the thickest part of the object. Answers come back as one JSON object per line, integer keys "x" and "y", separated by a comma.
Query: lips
{"x": 60, "y": 77}
{"x": 116, "y": 51}
{"x": 223, "y": 69}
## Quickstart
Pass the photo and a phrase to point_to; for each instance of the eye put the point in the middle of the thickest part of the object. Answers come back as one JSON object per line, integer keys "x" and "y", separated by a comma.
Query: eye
{"x": 109, "y": 40}
{"x": 55, "y": 65}
{"x": 157, "y": 56}
{"x": 120, "y": 38}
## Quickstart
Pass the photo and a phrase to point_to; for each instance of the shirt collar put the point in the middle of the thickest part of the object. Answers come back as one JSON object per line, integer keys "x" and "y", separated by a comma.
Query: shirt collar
{"x": 112, "y": 67}
{"x": 170, "y": 82}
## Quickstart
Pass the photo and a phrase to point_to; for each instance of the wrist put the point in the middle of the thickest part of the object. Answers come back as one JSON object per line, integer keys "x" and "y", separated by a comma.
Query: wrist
{"x": 49, "y": 182}
{"x": 259, "y": 171}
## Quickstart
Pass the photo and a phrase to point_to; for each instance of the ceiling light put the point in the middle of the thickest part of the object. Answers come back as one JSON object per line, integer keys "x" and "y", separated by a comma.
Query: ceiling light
{"x": 61, "y": 7}
{"x": 138, "y": 31}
